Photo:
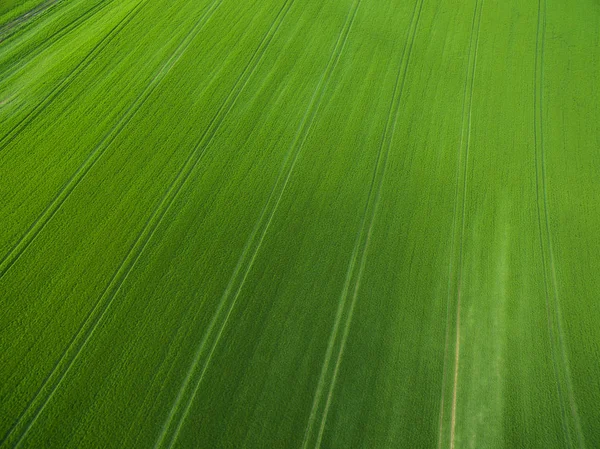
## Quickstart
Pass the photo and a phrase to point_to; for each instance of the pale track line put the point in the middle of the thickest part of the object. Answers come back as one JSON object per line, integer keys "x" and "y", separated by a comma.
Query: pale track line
{"x": 83, "y": 64}
{"x": 217, "y": 121}
{"x": 82, "y": 19}
{"x": 157, "y": 79}
{"x": 537, "y": 141}
{"x": 14, "y": 25}
{"x": 551, "y": 330}
{"x": 197, "y": 355}
{"x": 367, "y": 243}
{"x": 276, "y": 196}
{"x": 464, "y": 148}
{"x": 40, "y": 223}
{"x": 169, "y": 368}
{"x": 91, "y": 321}
{"x": 451, "y": 275}
{"x": 360, "y": 254}
{"x": 548, "y": 260}
{"x": 451, "y": 265}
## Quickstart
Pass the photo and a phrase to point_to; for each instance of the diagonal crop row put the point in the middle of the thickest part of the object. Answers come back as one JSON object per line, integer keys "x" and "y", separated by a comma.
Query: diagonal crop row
{"x": 44, "y": 394}
{"x": 56, "y": 36}
{"x": 90, "y": 324}
{"x": 246, "y": 261}
{"x": 25, "y": 18}
{"x": 49, "y": 212}
{"x": 61, "y": 86}
{"x": 179, "y": 411}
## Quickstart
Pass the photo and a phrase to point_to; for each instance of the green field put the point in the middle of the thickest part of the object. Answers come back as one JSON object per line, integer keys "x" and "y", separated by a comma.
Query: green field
{"x": 299, "y": 224}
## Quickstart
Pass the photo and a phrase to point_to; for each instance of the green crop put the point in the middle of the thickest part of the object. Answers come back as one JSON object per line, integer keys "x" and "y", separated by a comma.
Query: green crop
{"x": 299, "y": 224}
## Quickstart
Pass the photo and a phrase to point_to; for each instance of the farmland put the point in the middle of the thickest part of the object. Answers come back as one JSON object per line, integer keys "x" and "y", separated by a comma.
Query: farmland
{"x": 299, "y": 224}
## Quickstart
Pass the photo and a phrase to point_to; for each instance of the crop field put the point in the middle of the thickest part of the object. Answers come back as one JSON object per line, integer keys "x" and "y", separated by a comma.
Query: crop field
{"x": 300, "y": 224}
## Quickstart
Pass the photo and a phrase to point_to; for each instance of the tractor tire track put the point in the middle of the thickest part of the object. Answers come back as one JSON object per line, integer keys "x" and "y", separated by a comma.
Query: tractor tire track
{"x": 57, "y": 35}
{"x": 92, "y": 320}
{"x": 165, "y": 369}
{"x": 40, "y": 223}
{"x": 25, "y": 19}
{"x": 63, "y": 365}
{"x": 361, "y": 247}
{"x": 80, "y": 67}
{"x": 464, "y": 150}
{"x": 263, "y": 223}
{"x": 228, "y": 105}
{"x": 569, "y": 415}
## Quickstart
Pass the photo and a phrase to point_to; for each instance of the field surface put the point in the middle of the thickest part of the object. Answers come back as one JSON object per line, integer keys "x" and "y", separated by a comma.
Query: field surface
{"x": 300, "y": 224}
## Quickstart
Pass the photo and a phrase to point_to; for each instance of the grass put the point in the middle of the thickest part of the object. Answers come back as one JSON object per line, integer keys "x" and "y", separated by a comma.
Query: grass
{"x": 292, "y": 223}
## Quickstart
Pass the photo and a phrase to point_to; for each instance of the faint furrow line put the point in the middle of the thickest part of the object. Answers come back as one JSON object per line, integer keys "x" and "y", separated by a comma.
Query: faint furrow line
{"x": 63, "y": 365}
{"x": 457, "y": 194}
{"x": 85, "y": 62}
{"x": 541, "y": 214}
{"x": 365, "y": 250}
{"x": 451, "y": 265}
{"x": 558, "y": 347}
{"x": 163, "y": 370}
{"x": 539, "y": 180}
{"x": 464, "y": 149}
{"x": 90, "y": 324}
{"x": 40, "y": 223}
{"x": 361, "y": 246}
{"x": 263, "y": 223}
{"x": 82, "y": 19}
{"x": 25, "y": 18}
{"x": 222, "y": 113}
